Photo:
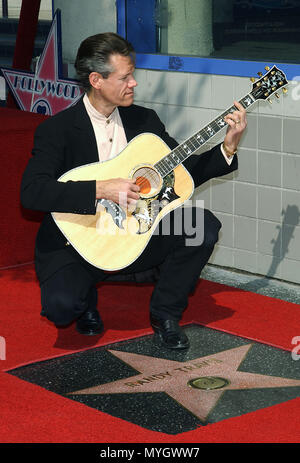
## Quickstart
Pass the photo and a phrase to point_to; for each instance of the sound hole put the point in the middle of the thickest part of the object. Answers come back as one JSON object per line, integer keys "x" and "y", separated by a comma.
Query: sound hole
{"x": 144, "y": 185}
{"x": 149, "y": 181}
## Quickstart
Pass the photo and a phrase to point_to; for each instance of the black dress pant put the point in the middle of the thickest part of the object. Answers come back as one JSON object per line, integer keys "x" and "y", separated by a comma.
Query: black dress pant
{"x": 178, "y": 247}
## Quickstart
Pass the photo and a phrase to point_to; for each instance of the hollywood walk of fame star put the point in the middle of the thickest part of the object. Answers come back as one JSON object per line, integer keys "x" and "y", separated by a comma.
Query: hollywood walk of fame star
{"x": 44, "y": 91}
{"x": 214, "y": 374}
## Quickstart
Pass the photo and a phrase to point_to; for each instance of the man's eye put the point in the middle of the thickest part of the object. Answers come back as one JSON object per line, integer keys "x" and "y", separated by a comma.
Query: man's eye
{"x": 127, "y": 77}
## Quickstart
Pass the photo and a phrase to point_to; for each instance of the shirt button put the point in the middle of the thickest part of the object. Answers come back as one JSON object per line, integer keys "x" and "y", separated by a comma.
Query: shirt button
{"x": 110, "y": 140}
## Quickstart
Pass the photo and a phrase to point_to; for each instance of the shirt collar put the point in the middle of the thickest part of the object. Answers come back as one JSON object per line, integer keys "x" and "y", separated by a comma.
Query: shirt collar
{"x": 94, "y": 114}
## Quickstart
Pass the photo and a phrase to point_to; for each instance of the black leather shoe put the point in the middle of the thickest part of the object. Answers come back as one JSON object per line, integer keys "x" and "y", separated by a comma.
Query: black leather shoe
{"x": 169, "y": 334}
{"x": 90, "y": 323}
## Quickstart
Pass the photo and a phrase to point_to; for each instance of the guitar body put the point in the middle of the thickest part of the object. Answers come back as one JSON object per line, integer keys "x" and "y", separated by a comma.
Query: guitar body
{"x": 114, "y": 238}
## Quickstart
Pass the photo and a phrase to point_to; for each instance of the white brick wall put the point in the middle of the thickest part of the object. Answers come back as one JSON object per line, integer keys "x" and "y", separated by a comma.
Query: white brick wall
{"x": 259, "y": 205}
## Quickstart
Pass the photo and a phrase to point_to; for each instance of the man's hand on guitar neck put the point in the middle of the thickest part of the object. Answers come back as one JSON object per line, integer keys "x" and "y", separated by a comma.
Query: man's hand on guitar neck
{"x": 119, "y": 190}
{"x": 236, "y": 125}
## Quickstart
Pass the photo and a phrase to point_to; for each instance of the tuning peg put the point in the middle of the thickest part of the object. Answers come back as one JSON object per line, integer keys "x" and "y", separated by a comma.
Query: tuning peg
{"x": 259, "y": 74}
{"x": 270, "y": 101}
{"x": 284, "y": 90}
{"x": 252, "y": 79}
{"x": 277, "y": 95}
{"x": 267, "y": 68}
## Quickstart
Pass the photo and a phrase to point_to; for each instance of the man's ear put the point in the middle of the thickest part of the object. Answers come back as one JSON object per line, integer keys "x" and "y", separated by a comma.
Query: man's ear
{"x": 95, "y": 80}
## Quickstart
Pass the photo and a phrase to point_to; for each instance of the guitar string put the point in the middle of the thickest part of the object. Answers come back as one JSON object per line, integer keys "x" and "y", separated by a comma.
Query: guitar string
{"x": 279, "y": 80}
{"x": 211, "y": 129}
{"x": 183, "y": 151}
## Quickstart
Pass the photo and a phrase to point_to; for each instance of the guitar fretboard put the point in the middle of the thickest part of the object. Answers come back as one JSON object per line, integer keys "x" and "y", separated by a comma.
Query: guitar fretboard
{"x": 192, "y": 144}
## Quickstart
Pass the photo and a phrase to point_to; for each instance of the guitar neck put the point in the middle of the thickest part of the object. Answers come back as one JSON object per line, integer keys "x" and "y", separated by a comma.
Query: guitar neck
{"x": 192, "y": 144}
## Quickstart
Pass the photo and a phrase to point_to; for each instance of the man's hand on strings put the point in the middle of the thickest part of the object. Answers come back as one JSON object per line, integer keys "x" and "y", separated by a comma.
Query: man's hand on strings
{"x": 119, "y": 190}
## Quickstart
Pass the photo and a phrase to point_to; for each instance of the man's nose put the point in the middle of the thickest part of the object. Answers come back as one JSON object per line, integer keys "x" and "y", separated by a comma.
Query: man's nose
{"x": 132, "y": 83}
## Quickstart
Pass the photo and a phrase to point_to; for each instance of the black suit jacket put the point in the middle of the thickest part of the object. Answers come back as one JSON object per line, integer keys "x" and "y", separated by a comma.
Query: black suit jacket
{"x": 66, "y": 141}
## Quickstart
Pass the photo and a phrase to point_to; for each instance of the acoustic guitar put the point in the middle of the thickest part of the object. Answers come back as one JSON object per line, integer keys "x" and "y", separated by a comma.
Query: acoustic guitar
{"x": 115, "y": 237}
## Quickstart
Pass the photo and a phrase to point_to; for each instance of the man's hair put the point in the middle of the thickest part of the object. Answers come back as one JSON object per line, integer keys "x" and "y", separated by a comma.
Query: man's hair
{"x": 94, "y": 53}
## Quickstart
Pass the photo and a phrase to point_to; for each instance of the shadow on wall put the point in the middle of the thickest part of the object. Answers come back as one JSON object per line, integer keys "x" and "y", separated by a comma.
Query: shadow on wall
{"x": 291, "y": 218}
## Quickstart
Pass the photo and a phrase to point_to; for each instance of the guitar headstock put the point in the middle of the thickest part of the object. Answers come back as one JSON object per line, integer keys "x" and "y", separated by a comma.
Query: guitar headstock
{"x": 269, "y": 84}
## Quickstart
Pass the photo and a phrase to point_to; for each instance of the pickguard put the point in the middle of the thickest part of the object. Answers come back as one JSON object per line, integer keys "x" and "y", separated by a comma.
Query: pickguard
{"x": 116, "y": 212}
{"x": 147, "y": 209}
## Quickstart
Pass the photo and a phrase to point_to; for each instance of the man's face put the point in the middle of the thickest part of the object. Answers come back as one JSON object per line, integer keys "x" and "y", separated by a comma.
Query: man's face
{"x": 118, "y": 88}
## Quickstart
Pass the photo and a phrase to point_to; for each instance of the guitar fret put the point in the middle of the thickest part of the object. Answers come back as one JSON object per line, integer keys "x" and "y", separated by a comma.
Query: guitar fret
{"x": 175, "y": 156}
{"x": 186, "y": 148}
{"x": 213, "y": 127}
{"x": 194, "y": 142}
{"x": 180, "y": 155}
{"x": 204, "y": 135}
{"x": 209, "y": 130}
{"x": 160, "y": 166}
{"x": 190, "y": 144}
{"x": 169, "y": 163}
{"x": 221, "y": 123}
{"x": 200, "y": 138}
{"x": 247, "y": 101}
